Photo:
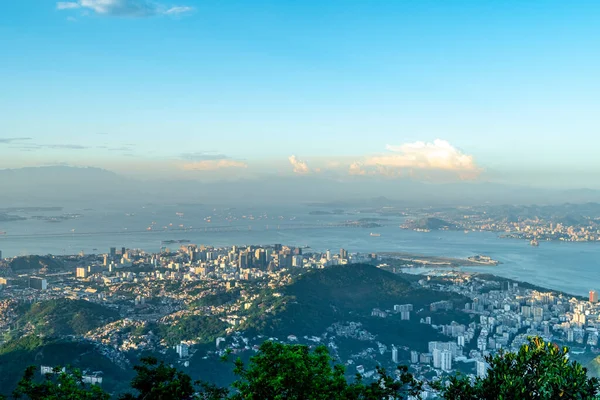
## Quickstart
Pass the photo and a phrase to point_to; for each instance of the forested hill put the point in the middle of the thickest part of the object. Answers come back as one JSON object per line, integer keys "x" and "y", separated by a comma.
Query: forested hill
{"x": 66, "y": 317}
{"x": 321, "y": 297}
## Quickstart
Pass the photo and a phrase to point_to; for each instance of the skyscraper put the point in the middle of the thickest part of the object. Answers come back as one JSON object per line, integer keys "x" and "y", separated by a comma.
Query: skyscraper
{"x": 414, "y": 357}
{"x": 482, "y": 368}
{"x": 593, "y": 296}
{"x": 446, "y": 362}
{"x": 437, "y": 358}
{"x": 113, "y": 252}
{"x": 395, "y": 354}
{"x": 343, "y": 254}
{"x": 243, "y": 260}
{"x": 38, "y": 283}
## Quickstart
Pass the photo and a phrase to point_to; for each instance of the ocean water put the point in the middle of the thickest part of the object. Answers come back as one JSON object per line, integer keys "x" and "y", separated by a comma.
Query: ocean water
{"x": 570, "y": 267}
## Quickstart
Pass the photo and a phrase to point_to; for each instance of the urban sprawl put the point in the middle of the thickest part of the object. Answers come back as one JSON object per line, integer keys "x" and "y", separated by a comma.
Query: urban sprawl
{"x": 160, "y": 287}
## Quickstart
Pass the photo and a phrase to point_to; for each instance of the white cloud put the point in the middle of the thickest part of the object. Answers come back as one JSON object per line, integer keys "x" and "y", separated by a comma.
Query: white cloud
{"x": 416, "y": 158}
{"x": 212, "y": 165}
{"x": 67, "y": 5}
{"x": 300, "y": 167}
{"x": 179, "y": 10}
{"x": 124, "y": 8}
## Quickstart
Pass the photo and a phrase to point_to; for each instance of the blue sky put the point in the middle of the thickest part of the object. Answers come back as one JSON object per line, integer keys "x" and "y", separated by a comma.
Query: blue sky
{"x": 505, "y": 91}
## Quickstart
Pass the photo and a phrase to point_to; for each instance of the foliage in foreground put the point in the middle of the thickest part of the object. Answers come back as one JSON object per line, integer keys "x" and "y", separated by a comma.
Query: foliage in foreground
{"x": 67, "y": 385}
{"x": 539, "y": 370}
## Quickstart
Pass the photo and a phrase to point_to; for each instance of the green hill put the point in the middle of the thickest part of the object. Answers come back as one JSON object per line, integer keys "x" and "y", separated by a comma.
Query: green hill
{"x": 18, "y": 354}
{"x": 340, "y": 293}
{"x": 29, "y": 263}
{"x": 204, "y": 329}
{"x": 433, "y": 224}
{"x": 66, "y": 317}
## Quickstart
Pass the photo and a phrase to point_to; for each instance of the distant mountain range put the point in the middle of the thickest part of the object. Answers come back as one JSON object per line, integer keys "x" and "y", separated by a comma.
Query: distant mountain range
{"x": 58, "y": 185}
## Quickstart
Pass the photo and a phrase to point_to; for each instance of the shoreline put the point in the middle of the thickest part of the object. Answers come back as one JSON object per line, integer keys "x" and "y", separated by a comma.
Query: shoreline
{"x": 437, "y": 261}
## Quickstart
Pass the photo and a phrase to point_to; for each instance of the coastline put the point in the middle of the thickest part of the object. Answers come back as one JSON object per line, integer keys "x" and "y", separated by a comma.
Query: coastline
{"x": 437, "y": 261}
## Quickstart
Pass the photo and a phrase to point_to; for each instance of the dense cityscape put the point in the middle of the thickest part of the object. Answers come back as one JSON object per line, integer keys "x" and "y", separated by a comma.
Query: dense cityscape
{"x": 217, "y": 292}
{"x": 566, "y": 222}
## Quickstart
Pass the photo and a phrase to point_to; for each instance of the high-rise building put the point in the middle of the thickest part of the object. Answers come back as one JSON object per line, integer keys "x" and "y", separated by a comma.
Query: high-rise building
{"x": 437, "y": 358}
{"x": 405, "y": 315}
{"x": 461, "y": 340}
{"x": 482, "y": 368}
{"x": 403, "y": 307}
{"x": 81, "y": 272}
{"x": 105, "y": 260}
{"x": 243, "y": 260}
{"x": 395, "y": 354}
{"x": 328, "y": 255}
{"x": 343, "y": 254}
{"x": 593, "y": 295}
{"x": 0, "y": 254}
{"x": 446, "y": 361}
{"x": 183, "y": 350}
{"x": 414, "y": 357}
{"x": 38, "y": 283}
{"x": 122, "y": 251}
{"x": 297, "y": 261}
{"x": 260, "y": 258}
{"x": 113, "y": 252}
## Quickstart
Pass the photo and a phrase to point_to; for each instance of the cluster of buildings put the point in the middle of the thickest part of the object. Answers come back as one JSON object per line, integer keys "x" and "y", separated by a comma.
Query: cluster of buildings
{"x": 162, "y": 287}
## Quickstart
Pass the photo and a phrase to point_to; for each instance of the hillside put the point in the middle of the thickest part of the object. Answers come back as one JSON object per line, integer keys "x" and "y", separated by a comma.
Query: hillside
{"x": 66, "y": 317}
{"x": 31, "y": 263}
{"x": 203, "y": 329}
{"x": 16, "y": 355}
{"x": 432, "y": 224}
{"x": 319, "y": 298}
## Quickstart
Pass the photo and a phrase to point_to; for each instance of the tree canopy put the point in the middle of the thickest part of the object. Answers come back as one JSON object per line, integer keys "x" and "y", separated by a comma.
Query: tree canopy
{"x": 60, "y": 385}
{"x": 539, "y": 370}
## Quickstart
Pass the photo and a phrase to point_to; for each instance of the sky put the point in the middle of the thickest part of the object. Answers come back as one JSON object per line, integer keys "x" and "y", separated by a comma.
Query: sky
{"x": 429, "y": 90}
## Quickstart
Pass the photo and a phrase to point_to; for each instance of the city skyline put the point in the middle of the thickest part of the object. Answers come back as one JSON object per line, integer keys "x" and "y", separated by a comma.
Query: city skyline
{"x": 430, "y": 91}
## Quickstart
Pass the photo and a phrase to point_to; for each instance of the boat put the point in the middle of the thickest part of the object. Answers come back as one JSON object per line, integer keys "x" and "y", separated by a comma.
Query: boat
{"x": 375, "y": 234}
{"x": 2, "y": 233}
{"x": 534, "y": 242}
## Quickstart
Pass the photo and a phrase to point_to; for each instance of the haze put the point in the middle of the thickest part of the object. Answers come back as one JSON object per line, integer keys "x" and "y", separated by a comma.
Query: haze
{"x": 425, "y": 101}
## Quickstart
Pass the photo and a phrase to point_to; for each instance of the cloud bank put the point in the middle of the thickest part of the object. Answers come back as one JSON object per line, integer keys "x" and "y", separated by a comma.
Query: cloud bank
{"x": 213, "y": 165}
{"x": 13, "y": 139}
{"x": 425, "y": 159}
{"x": 300, "y": 167}
{"x": 124, "y": 8}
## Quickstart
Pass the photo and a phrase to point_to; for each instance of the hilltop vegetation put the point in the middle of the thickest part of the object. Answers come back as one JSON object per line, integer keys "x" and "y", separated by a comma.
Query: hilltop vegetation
{"x": 432, "y": 223}
{"x": 200, "y": 328}
{"x": 29, "y": 263}
{"x": 321, "y": 297}
{"x": 18, "y": 354}
{"x": 539, "y": 370}
{"x": 66, "y": 317}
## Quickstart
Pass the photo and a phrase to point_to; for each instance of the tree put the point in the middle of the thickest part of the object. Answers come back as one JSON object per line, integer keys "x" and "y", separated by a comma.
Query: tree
{"x": 539, "y": 370}
{"x": 294, "y": 372}
{"x": 157, "y": 381}
{"x": 62, "y": 384}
